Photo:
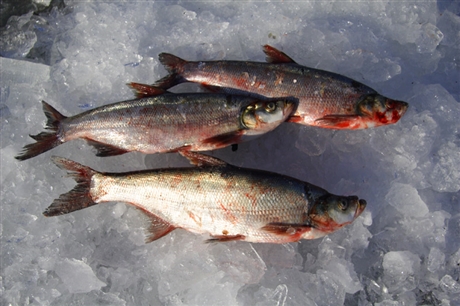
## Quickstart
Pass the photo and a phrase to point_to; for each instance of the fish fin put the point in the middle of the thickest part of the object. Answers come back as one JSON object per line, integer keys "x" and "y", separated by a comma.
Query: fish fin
{"x": 79, "y": 197}
{"x": 225, "y": 238}
{"x": 214, "y": 89}
{"x": 158, "y": 227}
{"x": 174, "y": 65}
{"x": 337, "y": 121}
{"x": 286, "y": 229}
{"x": 201, "y": 160}
{"x": 45, "y": 140}
{"x": 104, "y": 150}
{"x": 144, "y": 90}
{"x": 275, "y": 56}
{"x": 224, "y": 140}
{"x": 295, "y": 119}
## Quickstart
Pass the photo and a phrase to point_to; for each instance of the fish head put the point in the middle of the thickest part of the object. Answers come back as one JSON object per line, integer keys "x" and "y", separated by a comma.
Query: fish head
{"x": 330, "y": 212}
{"x": 377, "y": 110}
{"x": 262, "y": 116}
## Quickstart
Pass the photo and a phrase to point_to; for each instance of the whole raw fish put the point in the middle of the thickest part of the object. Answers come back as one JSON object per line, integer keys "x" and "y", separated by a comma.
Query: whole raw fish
{"x": 215, "y": 198}
{"x": 163, "y": 123}
{"x": 326, "y": 99}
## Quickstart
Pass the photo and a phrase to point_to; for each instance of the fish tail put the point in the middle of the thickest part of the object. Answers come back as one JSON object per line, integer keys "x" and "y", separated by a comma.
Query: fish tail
{"x": 174, "y": 65}
{"x": 79, "y": 197}
{"x": 45, "y": 140}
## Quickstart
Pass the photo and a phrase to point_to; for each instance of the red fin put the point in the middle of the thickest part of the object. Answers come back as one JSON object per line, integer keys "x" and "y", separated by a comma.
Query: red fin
{"x": 104, "y": 150}
{"x": 201, "y": 160}
{"x": 158, "y": 227}
{"x": 174, "y": 65}
{"x": 225, "y": 238}
{"x": 224, "y": 140}
{"x": 144, "y": 90}
{"x": 295, "y": 119}
{"x": 45, "y": 140}
{"x": 79, "y": 197}
{"x": 275, "y": 56}
{"x": 339, "y": 121}
{"x": 286, "y": 229}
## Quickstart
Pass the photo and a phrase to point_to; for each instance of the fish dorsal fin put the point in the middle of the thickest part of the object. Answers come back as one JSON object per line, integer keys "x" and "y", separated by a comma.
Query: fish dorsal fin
{"x": 144, "y": 90}
{"x": 201, "y": 160}
{"x": 158, "y": 227}
{"x": 275, "y": 56}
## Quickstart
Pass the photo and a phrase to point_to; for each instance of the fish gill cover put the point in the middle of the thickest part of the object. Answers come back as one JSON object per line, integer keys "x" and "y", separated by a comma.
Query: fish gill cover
{"x": 405, "y": 248}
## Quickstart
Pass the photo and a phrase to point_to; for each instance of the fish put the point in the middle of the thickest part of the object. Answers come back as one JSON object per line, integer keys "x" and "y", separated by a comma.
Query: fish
{"x": 326, "y": 99}
{"x": 163, "y": 122}
{"x": 226, "y": 202}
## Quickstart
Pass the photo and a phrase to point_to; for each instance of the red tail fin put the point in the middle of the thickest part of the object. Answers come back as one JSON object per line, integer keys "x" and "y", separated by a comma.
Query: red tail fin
{"x": 45, "y": 140}
{"x": 79, "y": 197}
{"x": 174, "y": 65}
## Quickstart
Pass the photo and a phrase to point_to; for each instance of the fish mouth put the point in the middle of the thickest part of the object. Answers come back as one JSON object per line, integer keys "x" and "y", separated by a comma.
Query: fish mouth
{"x": 400, "y": 106}
{"x": 360, "y": 207}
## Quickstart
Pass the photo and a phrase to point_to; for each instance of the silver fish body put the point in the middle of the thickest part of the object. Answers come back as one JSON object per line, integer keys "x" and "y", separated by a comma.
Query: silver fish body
{"x": 226, "y": 202}
{"x": 164, "y": 123}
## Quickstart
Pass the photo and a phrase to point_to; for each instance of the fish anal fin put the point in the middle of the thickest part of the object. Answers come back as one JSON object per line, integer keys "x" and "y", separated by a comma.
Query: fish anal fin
{"x": 157, "y": 228}
{"x": 201, "y": 160}
{"x": 285, "y": 229}
{"x": 225, "y": 238}
{"x": 144, "y": 90}
{"x": 339, "y": 121}
{"x": 275, "y": 56}
{"x": 104, "y": 150}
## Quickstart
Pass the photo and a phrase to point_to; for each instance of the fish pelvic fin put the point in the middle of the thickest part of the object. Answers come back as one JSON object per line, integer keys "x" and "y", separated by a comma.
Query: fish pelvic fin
{"x": 79, "y": 197}
{"x": 174, "y": 65}
{"x": 275, "y": 56}
{"x": 201, "y": 160}
{"x": 45, "y": 140}
{"x": 158, "y": 227}
{"x": 103, "y": 150}
{"x": 144, "y": 90}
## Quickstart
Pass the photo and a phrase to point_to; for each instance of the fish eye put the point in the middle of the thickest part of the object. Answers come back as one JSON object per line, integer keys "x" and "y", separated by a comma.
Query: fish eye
{"x": 270, "y": 107}
{"x": 343, "y": 205}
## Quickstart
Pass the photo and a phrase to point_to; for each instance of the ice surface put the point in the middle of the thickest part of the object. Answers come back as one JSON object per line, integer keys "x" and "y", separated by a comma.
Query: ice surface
{"x": 403, "y": 250}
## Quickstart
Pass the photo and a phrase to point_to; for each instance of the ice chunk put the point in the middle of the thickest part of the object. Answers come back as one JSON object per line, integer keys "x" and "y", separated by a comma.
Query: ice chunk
{"x": 77, "y": 276}
{"x": 429, "y": 38}
{"x": 400, "y": 271}
{"x": 436, "y": 260}
{"x": 449, "y": 285}
{"x": 406, "y": 200}
{"x": 445, "y": 176}
{"x": 16, "y": 39}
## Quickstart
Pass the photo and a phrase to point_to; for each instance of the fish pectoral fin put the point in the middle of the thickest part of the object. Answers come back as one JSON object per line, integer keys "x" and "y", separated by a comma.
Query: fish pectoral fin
{"x": 201, "y": 160}
{"x": 337, "y": 121}
{"x": 105, "y": 149}
{"x": 275, "y": 56}
{"x": 224, "y": 140}
{"x": 144, "y": 90}
{"x": 287, "y": 229}
{"x": 225, "y": 238}
{"x": 158, "y": 227}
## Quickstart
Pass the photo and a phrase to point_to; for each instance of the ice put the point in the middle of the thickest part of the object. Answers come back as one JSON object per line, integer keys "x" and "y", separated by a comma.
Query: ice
{"x": 400, "y": 271}
{"x": 406, "y": 199}
{"x": 403, "y": 250}
{"x": 77, "y": 276}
